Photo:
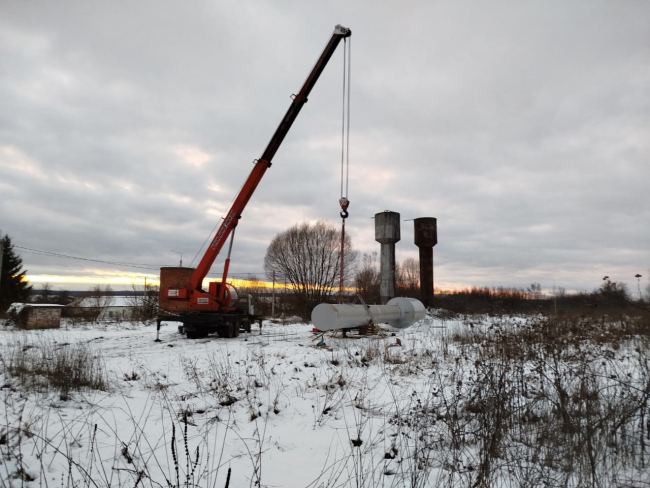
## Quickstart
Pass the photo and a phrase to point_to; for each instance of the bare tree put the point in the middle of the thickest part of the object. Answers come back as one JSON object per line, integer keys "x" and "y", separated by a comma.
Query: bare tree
{"x": 144, "y": 302}
{"x": 614, "y": 292}
{"x": 64, "y": 297}
{"x": 99, "y": 298}
{"x": 367, "y": 279}
{"x": 535, "y": 291}
{"x": 307, "y": 257}
{"x": 407, "y": 278}
{"x": 45, "y": 294}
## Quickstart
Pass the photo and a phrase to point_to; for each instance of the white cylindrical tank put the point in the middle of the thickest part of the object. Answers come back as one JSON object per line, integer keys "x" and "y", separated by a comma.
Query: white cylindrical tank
{"x": 398, "y": 312}
{"x": 412, "y": 311}
{"x": 231, "y": 295}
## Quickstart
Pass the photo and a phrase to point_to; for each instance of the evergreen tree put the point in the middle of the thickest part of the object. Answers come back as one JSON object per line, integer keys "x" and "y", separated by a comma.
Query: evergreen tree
{"x": 13, "y": 287}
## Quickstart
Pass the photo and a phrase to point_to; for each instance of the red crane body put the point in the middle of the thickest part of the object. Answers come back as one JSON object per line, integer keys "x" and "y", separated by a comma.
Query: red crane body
{"x": 218, "y": 296}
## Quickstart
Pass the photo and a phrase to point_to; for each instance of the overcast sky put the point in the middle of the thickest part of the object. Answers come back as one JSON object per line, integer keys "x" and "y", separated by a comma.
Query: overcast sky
{"x": 127, "y": 128}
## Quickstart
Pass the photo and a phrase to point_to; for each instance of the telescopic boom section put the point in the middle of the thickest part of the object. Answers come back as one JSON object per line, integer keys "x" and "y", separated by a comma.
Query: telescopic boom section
{"x": 262, "y": 164}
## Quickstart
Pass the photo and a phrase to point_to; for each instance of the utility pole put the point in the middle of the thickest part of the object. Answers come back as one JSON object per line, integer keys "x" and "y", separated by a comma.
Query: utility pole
{"x": 181, "y": 254}
{"x": 273, "y": 298}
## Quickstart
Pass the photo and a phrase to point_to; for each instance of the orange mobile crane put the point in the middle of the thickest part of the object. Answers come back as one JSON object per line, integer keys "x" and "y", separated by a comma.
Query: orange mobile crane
{"x": 219, "y": 309}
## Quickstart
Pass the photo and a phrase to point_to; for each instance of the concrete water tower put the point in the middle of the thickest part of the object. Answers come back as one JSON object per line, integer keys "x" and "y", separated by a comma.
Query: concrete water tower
{"x": 387, "y": 233}
{"x": 426, "y": 236}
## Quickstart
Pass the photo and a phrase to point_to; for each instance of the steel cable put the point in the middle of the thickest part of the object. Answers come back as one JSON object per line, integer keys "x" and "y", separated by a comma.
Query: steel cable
{"x": 345, "y": 119}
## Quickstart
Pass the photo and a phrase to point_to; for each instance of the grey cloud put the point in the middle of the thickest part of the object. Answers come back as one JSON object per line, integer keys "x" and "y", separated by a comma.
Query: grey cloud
{"x": 523, "y": 128}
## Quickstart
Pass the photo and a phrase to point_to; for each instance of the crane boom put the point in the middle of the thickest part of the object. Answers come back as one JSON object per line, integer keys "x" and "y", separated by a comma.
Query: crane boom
{"x": 264, "y": 162}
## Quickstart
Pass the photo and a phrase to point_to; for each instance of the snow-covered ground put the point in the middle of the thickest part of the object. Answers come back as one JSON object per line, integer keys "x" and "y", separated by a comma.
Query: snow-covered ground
{"x": 413, "y": 407}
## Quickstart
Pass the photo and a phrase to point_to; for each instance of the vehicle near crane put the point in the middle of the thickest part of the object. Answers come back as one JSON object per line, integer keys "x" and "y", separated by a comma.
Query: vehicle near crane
{"x": 219, "y": 308}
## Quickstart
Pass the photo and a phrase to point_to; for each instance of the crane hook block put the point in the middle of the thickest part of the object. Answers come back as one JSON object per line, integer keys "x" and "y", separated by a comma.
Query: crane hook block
{"x": 345, "y": 203}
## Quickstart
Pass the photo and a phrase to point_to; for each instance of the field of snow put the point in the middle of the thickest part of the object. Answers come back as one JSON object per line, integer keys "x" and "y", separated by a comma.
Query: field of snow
{"x": 463, "y": 401}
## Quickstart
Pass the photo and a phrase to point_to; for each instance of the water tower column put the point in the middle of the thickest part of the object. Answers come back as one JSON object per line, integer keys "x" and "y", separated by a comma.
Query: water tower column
{"x": 387, "y": 233}
{"x": 426, "y": 236}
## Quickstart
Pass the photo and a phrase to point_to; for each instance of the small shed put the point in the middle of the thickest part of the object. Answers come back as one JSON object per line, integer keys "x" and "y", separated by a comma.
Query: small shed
{"x": 36, "y": 315}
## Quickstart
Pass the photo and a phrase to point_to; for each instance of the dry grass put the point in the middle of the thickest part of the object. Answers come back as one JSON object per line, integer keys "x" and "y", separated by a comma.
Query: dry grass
{"x": 43, "y": 366}
{"x": 547, "y": 401}
{"x": 537, "y": 401}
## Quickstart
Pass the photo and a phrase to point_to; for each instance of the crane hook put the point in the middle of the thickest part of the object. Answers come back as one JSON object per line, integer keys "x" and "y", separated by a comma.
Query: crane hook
{"x": 345, "y": 203}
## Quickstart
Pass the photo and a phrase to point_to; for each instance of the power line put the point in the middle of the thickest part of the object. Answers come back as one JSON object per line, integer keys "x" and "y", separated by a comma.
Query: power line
{"x": 66, "y": 256}
{"x": 148, "y": 267}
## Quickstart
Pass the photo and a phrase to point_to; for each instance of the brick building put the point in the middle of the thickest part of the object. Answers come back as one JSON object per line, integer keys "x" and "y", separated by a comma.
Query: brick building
{"x": 36, "y": 315}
